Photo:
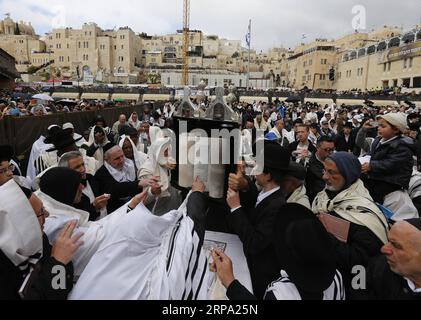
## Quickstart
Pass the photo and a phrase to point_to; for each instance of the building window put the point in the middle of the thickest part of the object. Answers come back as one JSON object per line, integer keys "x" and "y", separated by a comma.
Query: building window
{"x": 310, "y": 62}
{"x": 122, "y": 47}
{"x": 384, "y": 67}
{"x": 389, "y": 66}
{"x": 410, "y": 62}
{"x": 404, "y": 63}
{"x": 68, "y": 59}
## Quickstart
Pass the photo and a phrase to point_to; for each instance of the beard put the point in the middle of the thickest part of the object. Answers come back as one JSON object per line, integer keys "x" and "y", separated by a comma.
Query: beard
{"x": 331, "y": 188}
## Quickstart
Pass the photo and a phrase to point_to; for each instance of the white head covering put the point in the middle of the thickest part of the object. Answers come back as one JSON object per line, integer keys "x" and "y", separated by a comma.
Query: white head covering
{"x": 99, "y": 154}
{"x": 155, "y": 133}
{"x": 155, "y": 164}
{"x": 134, "y": 124}
{"x": 20, "y": 231}
{"x": 139, "y": 157}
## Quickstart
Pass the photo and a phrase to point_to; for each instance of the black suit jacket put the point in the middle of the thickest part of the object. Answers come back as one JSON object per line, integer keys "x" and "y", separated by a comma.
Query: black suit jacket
{"x": 254, "y": 226}
{"x": 85, "y": 203}
{"x": 120, "y": 191}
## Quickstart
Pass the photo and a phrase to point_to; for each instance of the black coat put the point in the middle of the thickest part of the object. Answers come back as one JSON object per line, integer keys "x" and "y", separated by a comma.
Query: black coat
{"x": 85, "y": 203}
{"x": 362, "y": 245}
{"x": 392, "y": 162}
{"x": 39, "y": 286}
{"x": 384, "y": 284}
{"x": 120, "y": 192}
{"x": 314, "y": 178}
{"x": 254, "y": 226}
{"x": 342, "y": 145}
{"x": 293, "y": 147}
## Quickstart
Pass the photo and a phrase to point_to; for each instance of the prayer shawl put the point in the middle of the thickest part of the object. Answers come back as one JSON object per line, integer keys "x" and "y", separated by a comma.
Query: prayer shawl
{"x": 155, "y": 133}
{"x": 263, "y": 125}
{"x": 37, "y": 148}
{"x": 134, "y": 124}
{"x": 126, "y": 174}
{"x": 99, "y": 153}
{"x": 94, "y": 232}
{"x": 148, "y": 258}
{"x": 169, "y": 114}
{"x": 299, "y": 196}
{"x": 81, "y": 142}
{"x": 155, "y": 165}
{"x": 139, "y": 157}
{"x": 415, "y": 185}
{"x": 355, "y": 205}
{"x": 20, "y": 231}
{"x": 285, "y": 289}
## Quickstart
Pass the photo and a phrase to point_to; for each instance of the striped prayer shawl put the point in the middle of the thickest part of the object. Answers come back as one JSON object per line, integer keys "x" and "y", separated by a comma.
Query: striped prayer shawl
{"x": 284, "y": 289}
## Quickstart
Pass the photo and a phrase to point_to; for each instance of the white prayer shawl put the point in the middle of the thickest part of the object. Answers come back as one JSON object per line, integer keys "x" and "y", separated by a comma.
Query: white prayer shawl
{"x": 263, "y": 125}
{"x": 299, "y": 196}
{"x": 139, "y": 157}
{"x": 99, "y": 153}
{"x": 37, "y": 148}
{"x": 169, "y": 114}
{"x": 126, "y": 174}
{"x": 285, "y": 289}
{"x": 155, "y": 165}
{"x": 81, "y": 142}
{"x": 355, "y": 205}
{"x": 147, "y": 258}
{"x": 155, "y": 133}
{"x": 20, "y": 231}
{"x": 401, "y": 205}
{"x": 134, "y": 124}
{"x": 415, "y": 185}
{"x": 94, "y": 232}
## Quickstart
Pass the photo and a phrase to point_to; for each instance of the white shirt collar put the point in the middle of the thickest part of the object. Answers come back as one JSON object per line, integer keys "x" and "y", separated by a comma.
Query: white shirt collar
{"x": 382, "y": 141}
{"x": 263, "y": 195}
{"x": 412, "y": 286}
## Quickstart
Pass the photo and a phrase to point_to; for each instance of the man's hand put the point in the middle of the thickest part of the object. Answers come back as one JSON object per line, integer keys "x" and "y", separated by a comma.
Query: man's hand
{"x": 366, "y": 168}
{"x": 156, "y": 189}
{"x": 66, "y": 245}
{"x": 237, "y": 181}
{"x": 101, "y": 201}
{"x": 198, "y": 186}
{"x": 233, "y": 199}
{"x": 149, "y": 182}
{"x": 222, "y": 264}
{"x": 138, "y": 199}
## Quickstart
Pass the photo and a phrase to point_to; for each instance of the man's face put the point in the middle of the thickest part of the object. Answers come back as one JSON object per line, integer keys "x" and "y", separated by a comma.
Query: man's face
{"x": 325, "y": 125}
{"x": 40, "y": 212}
{"x": 325, "y": 150}
{"x": 280, "y": 125}
{"x": 5, "y": 173}
{"x": 122, "y": 119}
{"x": 99, "y": 137}
{"x": 334, "y": 180}
{"x": 128, "y": 149}
{"x": 135, "y": 138}
{"x": 134, "y": 117}
{"x": 262, "y": 179}
{"x": 249, "y": 125}
{"x": 116, "y": 159}
{"x": 302, "y": 134}
{"x": 328, "y": 116}
{"x": 403, "y": 251}
{"x": 347, "y": 131}
{"x": 77, "y": 164}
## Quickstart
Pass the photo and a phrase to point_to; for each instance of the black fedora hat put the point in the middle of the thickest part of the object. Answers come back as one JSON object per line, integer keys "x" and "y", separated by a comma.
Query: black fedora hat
{"x": 6, "y": 153}
{"x": 276, "y": 157}
{"x": 304, "y": 249}
{"x": 51, "y": 131}
{"x": 62, "y": 139}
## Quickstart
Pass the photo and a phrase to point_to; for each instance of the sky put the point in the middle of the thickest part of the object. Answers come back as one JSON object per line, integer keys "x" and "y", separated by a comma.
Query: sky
{"x": 275, "y": 23}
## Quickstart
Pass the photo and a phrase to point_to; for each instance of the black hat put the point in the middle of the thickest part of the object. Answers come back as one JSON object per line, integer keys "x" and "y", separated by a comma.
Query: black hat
{"x": 310, "y": 260}
{"x": 129, "y": 131}
{"x": 108, "y": 146}
{"x": 6, "y": 153}
{"x": 276, "y": 157}
{"x": 62, "y": 139}
{"x": 52, "y": 130}
{"x": 348, "y": 125}
{"x": 415, "y": 222}
{"x": 296, "y": 170}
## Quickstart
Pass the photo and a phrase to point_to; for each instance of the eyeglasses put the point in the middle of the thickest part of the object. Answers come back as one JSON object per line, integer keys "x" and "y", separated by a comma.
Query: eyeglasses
{"x": 10, "y": 168}
{"x": 328, "y": 150}
{"x": 43, "y": 212}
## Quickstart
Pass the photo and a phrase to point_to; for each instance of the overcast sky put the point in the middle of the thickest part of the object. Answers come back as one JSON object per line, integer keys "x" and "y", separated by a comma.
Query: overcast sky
{"x": 274, "y": 22}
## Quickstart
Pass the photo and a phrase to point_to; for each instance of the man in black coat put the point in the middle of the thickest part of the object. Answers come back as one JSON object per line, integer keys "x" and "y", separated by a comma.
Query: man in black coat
{"x": 253, "y": 214}
{"x": 302, "y": 149}
{"x": 92, "y": 200}
{"x": 315, "y": 167}
{"x": 112, "y": 177}
{"x": 16, "y": 282}
{"x": 345, "y": 141}
{"x": 397, "y": 274}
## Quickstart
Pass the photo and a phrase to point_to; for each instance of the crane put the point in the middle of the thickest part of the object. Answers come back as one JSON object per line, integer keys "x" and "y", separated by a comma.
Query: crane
{"x": 186, "y": 38}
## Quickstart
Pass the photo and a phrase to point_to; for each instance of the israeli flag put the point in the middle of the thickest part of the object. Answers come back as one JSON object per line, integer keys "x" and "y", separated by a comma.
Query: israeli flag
{"x": 248, "y": 36}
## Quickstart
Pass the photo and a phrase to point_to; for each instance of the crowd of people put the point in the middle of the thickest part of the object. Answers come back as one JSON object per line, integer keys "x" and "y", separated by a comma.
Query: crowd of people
{"x": 340, "y": 187}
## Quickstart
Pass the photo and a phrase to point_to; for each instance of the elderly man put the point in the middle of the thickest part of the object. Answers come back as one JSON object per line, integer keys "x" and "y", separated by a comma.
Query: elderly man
{"x": 117, "y": 177}
{"x": 122, "y": 121}
{"x": 68, "y": 127}
{"x": 279, "y": 134}
{"x": 349, "y": 213}
{"x": 397, "y": 274}
{"x": 315, "y": 167}
{"x": 92, "y": 200}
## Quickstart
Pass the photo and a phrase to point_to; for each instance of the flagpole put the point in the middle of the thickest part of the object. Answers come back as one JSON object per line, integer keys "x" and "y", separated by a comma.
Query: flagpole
{"x": 249, "y": 45}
